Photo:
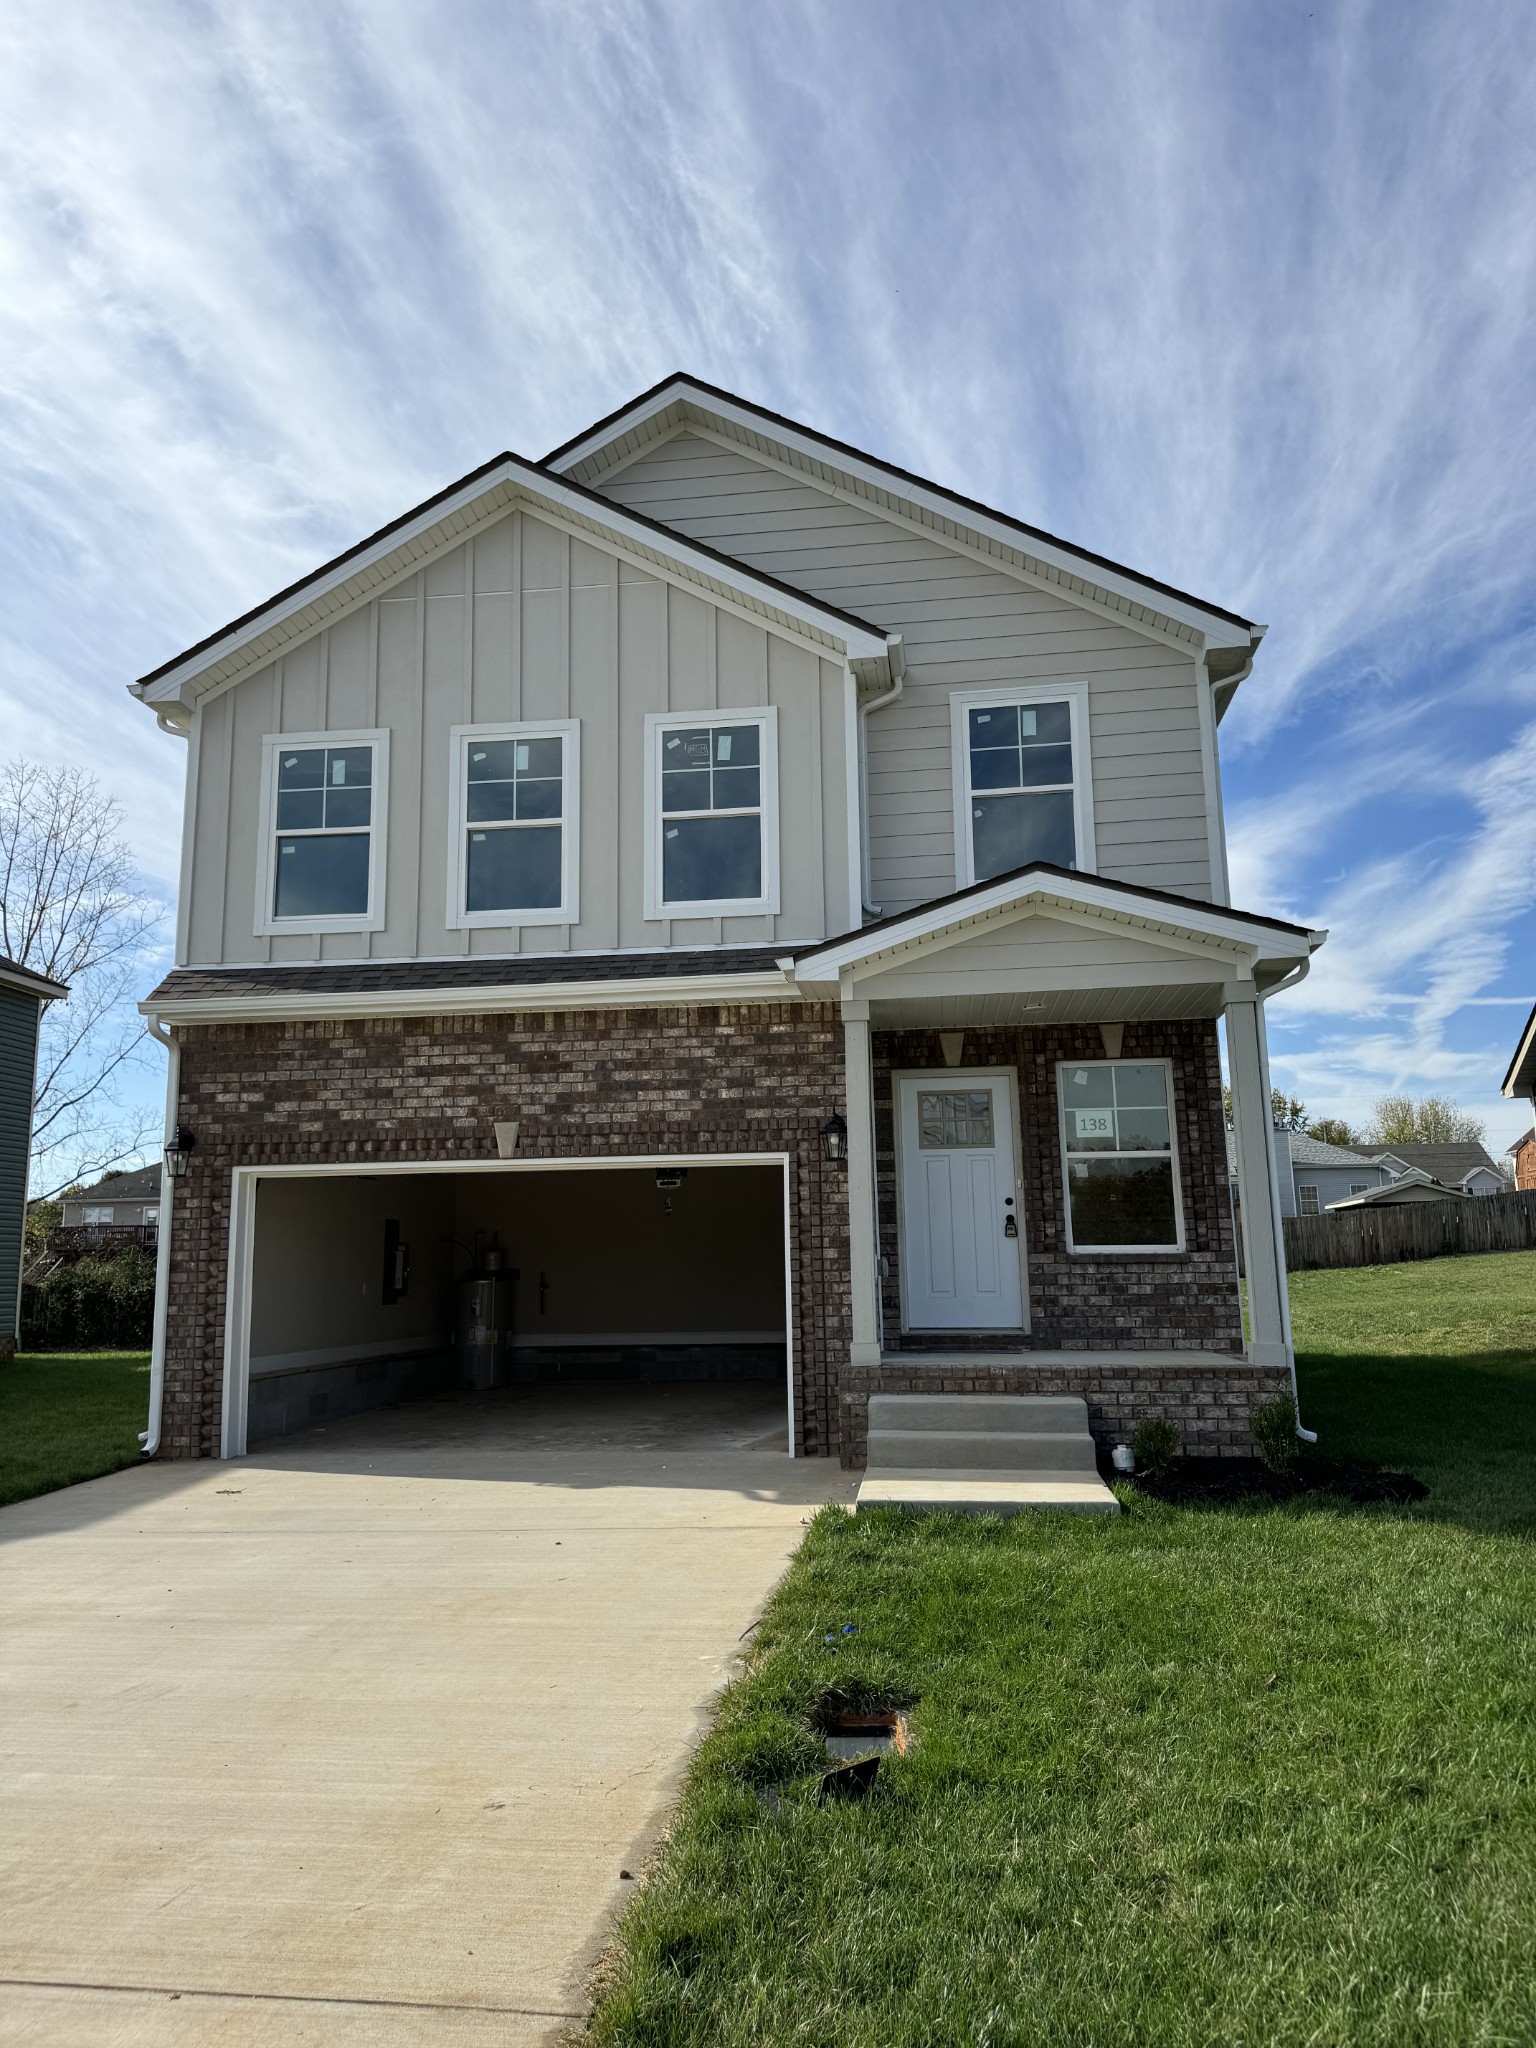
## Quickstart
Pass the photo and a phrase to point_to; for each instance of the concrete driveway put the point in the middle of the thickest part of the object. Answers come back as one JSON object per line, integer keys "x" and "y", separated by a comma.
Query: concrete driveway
{"x": 350, "y": 1741}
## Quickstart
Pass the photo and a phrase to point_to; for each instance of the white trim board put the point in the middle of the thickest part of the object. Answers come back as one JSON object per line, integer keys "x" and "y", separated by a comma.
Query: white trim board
{"x": 244, "y": 1181}
{"x": 699, "y": 404}
{"x": 503, "y": 487}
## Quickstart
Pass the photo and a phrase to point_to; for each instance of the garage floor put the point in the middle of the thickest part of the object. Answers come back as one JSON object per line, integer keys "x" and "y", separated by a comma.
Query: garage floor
{"x": 349, "y": 1741}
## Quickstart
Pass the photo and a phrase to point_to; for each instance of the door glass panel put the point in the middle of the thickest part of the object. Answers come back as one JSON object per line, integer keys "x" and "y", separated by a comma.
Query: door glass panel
{"x": 954, "y": 1119}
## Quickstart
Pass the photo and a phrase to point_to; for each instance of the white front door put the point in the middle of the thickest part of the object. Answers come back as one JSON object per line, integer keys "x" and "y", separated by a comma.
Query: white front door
{"x": 960, "y": 1222}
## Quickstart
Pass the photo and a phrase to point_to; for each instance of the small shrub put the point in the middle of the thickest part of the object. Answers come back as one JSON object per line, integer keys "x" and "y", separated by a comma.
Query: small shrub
{"x": 1155, "y": 1444}
{"x": 1273, "y": 1428}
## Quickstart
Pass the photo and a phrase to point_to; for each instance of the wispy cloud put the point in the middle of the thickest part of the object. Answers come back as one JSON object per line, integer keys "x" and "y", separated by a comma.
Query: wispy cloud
{"x": 1241, "y": 295}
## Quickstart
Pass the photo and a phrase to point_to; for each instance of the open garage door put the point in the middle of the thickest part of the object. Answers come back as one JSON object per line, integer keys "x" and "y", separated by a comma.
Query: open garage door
{"x": 482, "y": 1287}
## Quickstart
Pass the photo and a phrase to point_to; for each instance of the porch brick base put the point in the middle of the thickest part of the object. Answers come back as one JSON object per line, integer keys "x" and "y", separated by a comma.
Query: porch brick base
{"x": 1209, "y": 1405}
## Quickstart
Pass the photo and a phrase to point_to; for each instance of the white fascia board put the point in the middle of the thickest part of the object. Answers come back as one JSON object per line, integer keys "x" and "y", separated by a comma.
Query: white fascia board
{"x": 1521, "y": 1078}
{"x": 857, "y": 643}
{"x": 639, "y": 992}
{"x": 26, "y": 983}
{"x": 1217, "y": 632}
{"x": 861, "y": 948}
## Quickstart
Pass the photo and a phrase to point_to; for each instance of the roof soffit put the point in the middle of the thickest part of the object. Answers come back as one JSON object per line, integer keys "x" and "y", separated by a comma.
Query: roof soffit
{"x": 1039, "y": 559}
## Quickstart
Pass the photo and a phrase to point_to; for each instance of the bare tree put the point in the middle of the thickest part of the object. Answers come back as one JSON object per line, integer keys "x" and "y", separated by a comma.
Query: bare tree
{"x": 1426, "y": 1120}
{"x": 70, "y": 910}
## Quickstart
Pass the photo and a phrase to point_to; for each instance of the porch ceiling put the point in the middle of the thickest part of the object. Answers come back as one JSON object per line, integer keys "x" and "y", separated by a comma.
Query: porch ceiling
{"x": 975, "y": 1012}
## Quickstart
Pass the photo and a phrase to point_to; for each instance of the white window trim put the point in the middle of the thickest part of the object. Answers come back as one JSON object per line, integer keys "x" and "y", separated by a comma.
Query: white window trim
{"x": 1314, "y": 1189}
{"x": 766, "y": 718}
{"x": 370, "y": 920}
{"x": 568, "y": 910}
{"x": 1111, "y": 1251}
{"x": 1075, "y": 696}
{"x": 97, "y": 1216}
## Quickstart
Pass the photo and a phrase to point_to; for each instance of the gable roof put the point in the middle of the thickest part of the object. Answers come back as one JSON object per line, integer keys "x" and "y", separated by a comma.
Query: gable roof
{"x": 497, "y": 486}
{"x": 679, "y": 398}
{"x": 1392, "y": 1191}
{"x": 1449, "y": 1164}
{"x": 28, "y": 983}
{"x": 1309, "y": 1151}
{"x": 1521, "y": 1078}
{"x": 825, "y": 960}
{"x": 136, "y": 1184}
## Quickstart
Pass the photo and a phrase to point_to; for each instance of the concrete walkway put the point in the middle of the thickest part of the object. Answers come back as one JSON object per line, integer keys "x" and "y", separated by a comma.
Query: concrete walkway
{"x": 349, "y": 1741}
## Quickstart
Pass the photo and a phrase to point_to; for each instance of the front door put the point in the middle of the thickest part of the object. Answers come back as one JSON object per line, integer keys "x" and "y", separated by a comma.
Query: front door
{"x": 960, "y": 1246}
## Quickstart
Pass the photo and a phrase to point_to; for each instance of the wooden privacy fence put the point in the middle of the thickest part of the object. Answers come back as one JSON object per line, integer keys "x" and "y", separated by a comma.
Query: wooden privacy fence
{"x": 1412, "y": 1230}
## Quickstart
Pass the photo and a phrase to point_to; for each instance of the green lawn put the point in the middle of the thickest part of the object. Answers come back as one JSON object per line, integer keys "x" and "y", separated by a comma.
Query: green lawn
{"x": 66, "y": 1416}
{"x": 1255, "y": 1775}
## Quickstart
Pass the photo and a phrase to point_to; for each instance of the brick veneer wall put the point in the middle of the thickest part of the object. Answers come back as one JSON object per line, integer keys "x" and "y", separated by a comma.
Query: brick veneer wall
{"x": 1140, "y": 1302}
{"x": 1209, "y": 1402}
{"x": 733, "y": 1078}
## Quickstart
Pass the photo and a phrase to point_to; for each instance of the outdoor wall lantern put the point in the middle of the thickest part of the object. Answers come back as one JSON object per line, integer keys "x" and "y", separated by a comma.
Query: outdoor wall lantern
{"x": 179, "y": 1150}
{"x": 834, "y": 1137}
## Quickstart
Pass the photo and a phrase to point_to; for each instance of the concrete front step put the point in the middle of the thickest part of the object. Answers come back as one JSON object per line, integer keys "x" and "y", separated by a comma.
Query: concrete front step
{"x": 988, "y": 1493}
{"x": 982, "y": 1449}
{"x": 1025, "y": 1414}
{"x": 983, "y": 1454}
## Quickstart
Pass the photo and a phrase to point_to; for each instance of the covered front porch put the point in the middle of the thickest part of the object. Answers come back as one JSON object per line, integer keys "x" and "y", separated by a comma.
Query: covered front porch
{"x": 1037, "y": 1172}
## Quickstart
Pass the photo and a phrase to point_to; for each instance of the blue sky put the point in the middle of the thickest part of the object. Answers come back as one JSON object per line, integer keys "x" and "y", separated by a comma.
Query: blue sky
{"x": 1239, "y": 295}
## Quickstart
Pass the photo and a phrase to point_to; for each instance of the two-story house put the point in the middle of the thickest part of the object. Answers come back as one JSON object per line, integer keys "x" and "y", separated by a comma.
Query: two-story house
{"x": 776, "y": 906}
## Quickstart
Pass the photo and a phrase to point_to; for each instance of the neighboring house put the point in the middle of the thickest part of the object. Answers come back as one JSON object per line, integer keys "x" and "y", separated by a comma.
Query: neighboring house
{"x": 1412, "y": 1185}
{"x": 1467, "y": 1168}
{"x": 1324, "y": 1174}
{"x": 777, "y": 904}
{"x": 22, "y": 996}
{"x": 1521, "y": 1080}
{"x": 120, "y": 1201}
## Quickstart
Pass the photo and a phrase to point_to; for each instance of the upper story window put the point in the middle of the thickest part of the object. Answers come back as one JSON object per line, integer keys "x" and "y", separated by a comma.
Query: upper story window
{"x": 324, "y": 797}
{"x": 515, "y": 836}
{"x": 1121, "y": 1175}
{"x": 1022, "y": 785}
{"x": 712, "y": 840}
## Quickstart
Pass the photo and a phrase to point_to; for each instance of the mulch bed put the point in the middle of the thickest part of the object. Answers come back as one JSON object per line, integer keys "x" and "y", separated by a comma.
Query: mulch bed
{"x": 1222, "y": 1482}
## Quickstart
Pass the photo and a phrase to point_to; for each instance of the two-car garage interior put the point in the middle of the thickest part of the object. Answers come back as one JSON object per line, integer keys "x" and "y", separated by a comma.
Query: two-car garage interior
{"x": 488, "y": 1288}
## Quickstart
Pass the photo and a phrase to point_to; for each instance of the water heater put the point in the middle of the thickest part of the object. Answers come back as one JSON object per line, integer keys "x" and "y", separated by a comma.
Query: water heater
{"x": 484, "y": 1324}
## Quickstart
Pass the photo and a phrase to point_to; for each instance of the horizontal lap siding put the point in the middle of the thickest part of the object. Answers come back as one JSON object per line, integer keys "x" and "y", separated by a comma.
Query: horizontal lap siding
{"x": 522, "y": 622}
{"x": 965, "y": 626}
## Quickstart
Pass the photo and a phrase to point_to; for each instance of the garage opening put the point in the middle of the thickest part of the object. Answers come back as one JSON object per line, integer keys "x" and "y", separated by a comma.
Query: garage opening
{"x": 488, "y": 1288}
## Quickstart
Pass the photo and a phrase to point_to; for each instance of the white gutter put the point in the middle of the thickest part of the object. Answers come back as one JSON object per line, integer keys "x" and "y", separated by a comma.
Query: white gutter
{"x": 1297, "y": 973}
{"x": 631, "y": 992}
{"x": 898, "y": 660}
{"x": 150, "y": 1438}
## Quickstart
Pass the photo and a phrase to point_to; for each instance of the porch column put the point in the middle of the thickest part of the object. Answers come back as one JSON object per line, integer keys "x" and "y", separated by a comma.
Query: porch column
{"x": 864, "y": 1347}
{"x": 1258, "y": 1185}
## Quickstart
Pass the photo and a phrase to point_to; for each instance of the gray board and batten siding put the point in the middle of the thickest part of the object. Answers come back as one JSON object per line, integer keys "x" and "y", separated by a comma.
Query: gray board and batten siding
{"x": 19, "y": 1013}
{"x": 520, "y": 621}
{"x": 965, "y": 625}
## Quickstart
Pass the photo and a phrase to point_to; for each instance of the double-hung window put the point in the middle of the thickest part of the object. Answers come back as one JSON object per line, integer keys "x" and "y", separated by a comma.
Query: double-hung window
{"x": 324, "y": 799}
{"x": 1306, "y": 1199}
{"x": 711, "y": 814}
{"x": 1120, "y": 1172}
{"x": 515, "y": 835}
{"x": 1022, "y": 786}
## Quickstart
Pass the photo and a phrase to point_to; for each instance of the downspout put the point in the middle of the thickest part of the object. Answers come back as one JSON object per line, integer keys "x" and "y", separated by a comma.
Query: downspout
{"x": 898, "y": 661}
{"x": 1297, "y": 974}
{"x": 150, "y": 1438}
